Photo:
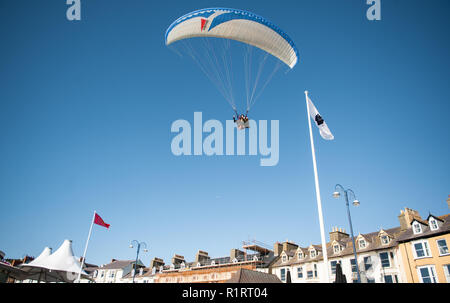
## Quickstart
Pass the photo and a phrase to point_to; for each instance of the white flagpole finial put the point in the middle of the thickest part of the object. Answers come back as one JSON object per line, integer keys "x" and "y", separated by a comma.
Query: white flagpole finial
{"x": 306, "y": 92}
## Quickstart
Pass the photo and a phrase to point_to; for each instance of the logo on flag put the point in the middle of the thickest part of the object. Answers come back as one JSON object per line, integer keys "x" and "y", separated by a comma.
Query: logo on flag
{"x": 204, "y": 21}
{"x": 320, "y": 122}
{"x": 99, "y": 221}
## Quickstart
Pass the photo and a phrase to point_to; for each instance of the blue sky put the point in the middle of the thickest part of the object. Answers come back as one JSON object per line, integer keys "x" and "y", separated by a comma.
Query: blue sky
{"x": 86, "y": 109}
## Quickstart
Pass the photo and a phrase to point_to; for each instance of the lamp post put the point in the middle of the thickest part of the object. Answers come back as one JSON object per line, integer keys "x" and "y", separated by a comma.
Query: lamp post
{"x": 347, "y": 192}
{"x": 138, "y": 244}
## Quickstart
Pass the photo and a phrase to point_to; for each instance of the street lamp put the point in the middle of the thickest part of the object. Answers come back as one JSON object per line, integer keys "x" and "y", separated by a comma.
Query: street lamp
{"x": 347, "y": 192}
{"x": 137, "y": 253}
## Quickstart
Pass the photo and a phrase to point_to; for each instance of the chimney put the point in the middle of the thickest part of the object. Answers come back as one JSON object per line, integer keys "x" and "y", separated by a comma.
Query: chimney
{"x": 156, "y": 263}
{"x": 287, "y": 246}
{"x": 201, "y": 256}
{"x": 338, "y": 234}
{"x": 177, "y": 259}
{"x": 406, "y": 216}
{"x": 236, "y": 253}
{"x": 277, "y": 248}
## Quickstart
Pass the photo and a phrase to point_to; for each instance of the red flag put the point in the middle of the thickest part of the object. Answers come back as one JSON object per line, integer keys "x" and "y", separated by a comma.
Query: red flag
{"x": 98, "y": 220}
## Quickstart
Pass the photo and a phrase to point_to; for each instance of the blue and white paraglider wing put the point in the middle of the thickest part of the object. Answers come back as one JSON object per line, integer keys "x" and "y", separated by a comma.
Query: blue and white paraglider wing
{"x": 236, "y": 25}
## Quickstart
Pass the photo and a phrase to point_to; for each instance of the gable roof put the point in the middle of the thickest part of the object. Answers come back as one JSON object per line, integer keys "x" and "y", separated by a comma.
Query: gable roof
{"x": 251, "y": 276}
{"x": 409, "y": 235}
{"x": 372, "y": 238}
{"x": 118, "y": 264}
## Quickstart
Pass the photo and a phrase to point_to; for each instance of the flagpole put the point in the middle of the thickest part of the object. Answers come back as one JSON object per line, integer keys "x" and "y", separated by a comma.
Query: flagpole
{"x": 319, "y": 202}
{"x": 85, "y": 248}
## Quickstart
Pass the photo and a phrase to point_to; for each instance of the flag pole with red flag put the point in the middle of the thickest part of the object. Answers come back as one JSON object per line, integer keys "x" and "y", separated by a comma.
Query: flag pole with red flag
{"x": 99, "y": 221}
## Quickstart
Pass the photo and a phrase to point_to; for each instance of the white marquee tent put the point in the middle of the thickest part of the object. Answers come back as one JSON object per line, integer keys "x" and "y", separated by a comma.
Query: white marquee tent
{"x": 60, "y": 266}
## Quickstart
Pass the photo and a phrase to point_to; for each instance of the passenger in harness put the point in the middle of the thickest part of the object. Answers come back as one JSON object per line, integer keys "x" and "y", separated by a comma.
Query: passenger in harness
{"x": 241, "y": 121}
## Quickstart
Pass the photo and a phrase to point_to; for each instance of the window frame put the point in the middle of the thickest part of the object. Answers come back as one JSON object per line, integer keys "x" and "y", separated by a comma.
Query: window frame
{"x": 439, "y": 247}
{"x": 446, "y": 268}
{"x": 388, "y": 259}
{"x": 431, "y": 271}
{"x": 336, "y": 249}
{"x": 417, "y": 228}
{"x": 353, "y": 266}
{"x": 388, "y": 239}
{"x": 362, "y": 241}
{"x": 300, "y": 272}
{"x": 432, "y": 222}
{"x": 283, "y": 274}
{"x": 425, "y": 248}
{"x": 333, "y": 270}
{"x": 368, "y": 265}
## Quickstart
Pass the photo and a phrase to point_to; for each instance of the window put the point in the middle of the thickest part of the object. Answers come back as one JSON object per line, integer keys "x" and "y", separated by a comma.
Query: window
{"x": 367, "y": 263}
{"x": 417, "y": 229}
{"x": 384, "y": 239}
{"x": 447, "y": 272}
{"x": 362, "y": 243}
{"x": 300, "y": 255}
{"x": 427, "y": 274}
{"x": 353, "y": 265}
{"x": 443, "y": 248}
{"x": 283, "y": 274}
{"x": 370, "y": 280}
{"x": 333, "y": 267}
{"x": 433, "y": 224}
{"x": 299, "y": 272}
{"x": 310, "y": 274}
{"x": 284, "y": 258}
{"x": 102, "y": 274}
{"x": 315, "y": 270}
{"x": 336, "y": 249}
{"x": 312, "y": 253}
{"x": 385, "y": 259}
{"x": 388, "y": 279}
{"x": 421, "y": 249}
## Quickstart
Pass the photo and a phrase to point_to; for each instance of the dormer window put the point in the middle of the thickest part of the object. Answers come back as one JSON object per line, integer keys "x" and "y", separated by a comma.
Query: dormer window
{"x": 300, "y": 255}
{"x": 235, "y": 260}
{"x": 336, "y": 249}
{"x": 183, "y": 265}
{"x": 284, "y": 258}
{"x": 312, "y": 253}
{"x": 362, "y": 244}
{"x": 213, "y": 262}
{"x": 433, "y": 224}
{"x": 417, "y": 228}
{"x": 384, "y": 239}
{"x": 199, "y": 264}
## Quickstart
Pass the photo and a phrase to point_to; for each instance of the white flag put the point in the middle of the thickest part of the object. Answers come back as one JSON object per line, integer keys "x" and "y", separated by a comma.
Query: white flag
{"x": 317, "y": 118}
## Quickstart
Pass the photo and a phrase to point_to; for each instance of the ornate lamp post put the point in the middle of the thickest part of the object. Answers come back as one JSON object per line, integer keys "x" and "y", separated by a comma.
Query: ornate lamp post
{"x": 347, "y": 192}
{"x": 138, "y": 246}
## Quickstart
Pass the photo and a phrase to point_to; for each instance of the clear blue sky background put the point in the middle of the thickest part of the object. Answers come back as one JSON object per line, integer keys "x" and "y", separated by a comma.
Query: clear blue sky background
{"x": 86, "y": 109}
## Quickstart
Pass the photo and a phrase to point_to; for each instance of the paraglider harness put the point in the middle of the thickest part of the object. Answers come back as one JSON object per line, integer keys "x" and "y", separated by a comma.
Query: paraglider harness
{"x": 241, "y": 120}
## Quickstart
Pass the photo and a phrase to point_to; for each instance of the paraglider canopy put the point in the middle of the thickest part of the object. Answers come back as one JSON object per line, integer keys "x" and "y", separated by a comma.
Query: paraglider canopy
{"x": 220, "y": 40}
{"x": 235, "y": 24}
